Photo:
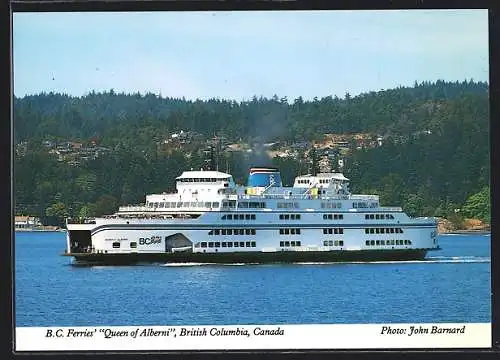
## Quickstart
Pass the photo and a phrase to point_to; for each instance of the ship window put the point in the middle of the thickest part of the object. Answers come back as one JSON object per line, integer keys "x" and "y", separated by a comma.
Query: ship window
{"x": 377, "y": 230}
{"x": 330, "y": 217}
{"x": 297, "y": 216}
{"x": 372, "y": 242}
{"x": 162, "y": 204}
{"x": 341, "y": 242}
{"x": 397, "y": 242}
{"x": 224, "y": 217}
{"x": 324, "y": 217}
{"x": 297, "y": 243}
{"x": 254, "y": 244}
{"x": 203, "y": 244}
{"x": 382, "y": 230}
{"x": 116, "y": 245}
{"x": 236, "y": 244}
{"x": 215, "y": 204}
{"x": 341, "y": 216}
{"x": 382, "y": 242}
{"x": 211, "y": 232}
{"x": 179, "y": 204}
{"x": 253, "y": 231}
{"x": 252, "y": 216}
{"x": 377, "y": 216}
{"x": 223, "y": 231}
{"x": 287, "y": 231}
{"x": 242, "y": 244}
{"x": 242, "y": 231}
{"x": 367, "y": 242}
{"x": 282, "y": 231}
{"x": 224, "y": 244}
{"x": 282, "y": 243}
{"x": 287, "y": 217}
{"x": 335, "y": 231}
{"x": 292, "y": 231}
{"x": 217, "y": 244}
{"x": 325, "y": 231}
{"x": 297, "y": 231}
{"x": 292, "y": 216}
{"x": 367, "y": 231}
{"x": 336, "y": 243}
{"x": 230, "y": 217}
{"x": 325, "y": 243}
{"x": 210, "y": 244}
{"x": 133, "y": 245}
{"x": 401, "y": 231}
{"x": 292, "y": 243}
{"x": 409, "y": 242}
{"x": 230, "y": 231}
{"x": 282, "y": 216}
{"x": 367, "y": 216}
{"x": 247, "y": 244}
{"x": 287, "y": 243}
{"x": 217, "y": 232}
{"x": 242, "y": 217}
{"x": 330, "y": 231}
{"x": 378, "y": 242}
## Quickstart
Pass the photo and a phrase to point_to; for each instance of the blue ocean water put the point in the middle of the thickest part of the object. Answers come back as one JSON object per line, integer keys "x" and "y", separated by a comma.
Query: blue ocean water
{"x": 452, "y": 285}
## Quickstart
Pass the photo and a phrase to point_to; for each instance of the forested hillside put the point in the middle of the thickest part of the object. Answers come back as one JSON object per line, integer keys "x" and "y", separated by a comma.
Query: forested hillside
{"x": 434, "y": 157}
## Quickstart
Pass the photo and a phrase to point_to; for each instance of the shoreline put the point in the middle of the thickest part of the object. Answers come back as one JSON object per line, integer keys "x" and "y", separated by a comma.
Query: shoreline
{"x": 466, "y": 232}
{"x": 39, "y": 230}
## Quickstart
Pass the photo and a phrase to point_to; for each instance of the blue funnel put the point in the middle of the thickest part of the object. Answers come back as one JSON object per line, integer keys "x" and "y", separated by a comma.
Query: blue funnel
{"x": 264, "y": 177}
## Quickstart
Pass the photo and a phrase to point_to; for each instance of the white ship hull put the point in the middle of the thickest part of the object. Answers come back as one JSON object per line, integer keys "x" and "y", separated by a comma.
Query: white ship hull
{"x": 210, "y": 219}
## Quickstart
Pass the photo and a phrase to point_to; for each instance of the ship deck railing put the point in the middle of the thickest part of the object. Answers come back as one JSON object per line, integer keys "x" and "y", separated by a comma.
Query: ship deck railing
{"x": 80, "y": 221}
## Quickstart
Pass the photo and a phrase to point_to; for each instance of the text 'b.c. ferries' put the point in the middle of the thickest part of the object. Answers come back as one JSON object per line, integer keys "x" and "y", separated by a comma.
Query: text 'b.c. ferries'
{"x": 210, "y": 219}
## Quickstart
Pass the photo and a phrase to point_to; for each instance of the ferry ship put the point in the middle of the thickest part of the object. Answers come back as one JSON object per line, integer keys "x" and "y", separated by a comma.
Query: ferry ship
{"x": 210, "y": 219}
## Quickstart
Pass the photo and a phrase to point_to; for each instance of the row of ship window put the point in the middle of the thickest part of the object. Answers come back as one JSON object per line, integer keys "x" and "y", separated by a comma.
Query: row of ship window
{"x": 287, "y": 205}
{"x": 289, "y": 243}
{"x": 387, "y": 242}
{"x": 289, "y": 231}
{"x": 232, "y": 232}
{"x": 116, "y": 245}
{"x": 363, "y": 205}
{"x": 203, "y": 180}
{"x": 383, "y": 231}
{"x": 289, "y": 216}
{"x": 239, "y": 217}
{"x": 333, "y": 216}
{"x": 378, "y": 216}
{"x": 333, "y": 231}
{"x": 333, "y": 243}
{"x": 251, "y": 205}
{"x": 229, "y": 244}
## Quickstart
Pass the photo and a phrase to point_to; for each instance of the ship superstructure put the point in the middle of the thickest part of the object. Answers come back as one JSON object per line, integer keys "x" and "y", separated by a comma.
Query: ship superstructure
{"x": 211, "y": 219}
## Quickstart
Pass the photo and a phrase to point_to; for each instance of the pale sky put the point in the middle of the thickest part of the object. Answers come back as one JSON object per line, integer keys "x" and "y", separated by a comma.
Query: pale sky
{"x": 236, "y": 55}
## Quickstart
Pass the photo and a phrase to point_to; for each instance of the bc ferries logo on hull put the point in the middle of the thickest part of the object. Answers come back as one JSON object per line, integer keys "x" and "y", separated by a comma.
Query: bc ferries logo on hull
{"x": 210, "y": 219}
